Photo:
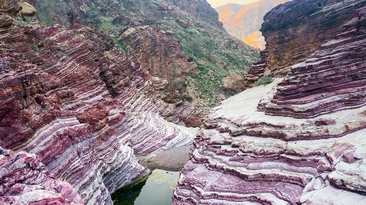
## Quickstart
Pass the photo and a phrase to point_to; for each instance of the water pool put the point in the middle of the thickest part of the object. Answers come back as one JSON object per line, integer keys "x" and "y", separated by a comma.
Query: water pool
{"x": 156, "y": 190}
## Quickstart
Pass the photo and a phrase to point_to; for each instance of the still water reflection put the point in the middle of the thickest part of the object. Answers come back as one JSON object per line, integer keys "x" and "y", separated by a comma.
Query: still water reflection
{"x": 156, "y": 190}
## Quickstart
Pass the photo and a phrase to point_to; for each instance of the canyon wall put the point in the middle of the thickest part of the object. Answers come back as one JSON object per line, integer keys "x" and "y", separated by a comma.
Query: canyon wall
{"x": 244, "y": 21}
{"x": 94, "y": 12}
{"x": 299, "y": 140}
{"x": 296, "y": 30}
{"x": 25, "y": 180}
{"x": 199, "y": 9}
{"x": 180, "y": 42}
{"x": 74, "y": 112}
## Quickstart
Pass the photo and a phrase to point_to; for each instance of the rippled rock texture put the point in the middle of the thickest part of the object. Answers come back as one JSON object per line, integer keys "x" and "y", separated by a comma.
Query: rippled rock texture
{"x": 333, "y": 78}
{"x": 24, "y": 179}
{"x": 78, "y": 111}
{"x": 299, "y": 140}
{"x": 297, "y": 29}
{"x": 181, "y": 42}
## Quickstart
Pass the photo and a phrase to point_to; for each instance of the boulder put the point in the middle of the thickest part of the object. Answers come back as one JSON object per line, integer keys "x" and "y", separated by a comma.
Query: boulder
{"x": 27, "y": 9}
{"x": 182, "y": 22}
{"x": 234, "y": 83}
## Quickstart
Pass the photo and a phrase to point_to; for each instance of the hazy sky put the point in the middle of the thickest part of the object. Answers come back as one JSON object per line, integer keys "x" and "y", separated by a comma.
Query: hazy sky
{"x": 216, "y": 3}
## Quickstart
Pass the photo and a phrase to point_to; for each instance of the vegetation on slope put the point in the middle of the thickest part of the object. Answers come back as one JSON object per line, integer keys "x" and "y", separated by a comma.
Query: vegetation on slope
{"x": 209, "y": 51}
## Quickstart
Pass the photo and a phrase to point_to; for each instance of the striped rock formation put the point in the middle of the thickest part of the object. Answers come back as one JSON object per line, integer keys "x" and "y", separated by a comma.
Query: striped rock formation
{"x": 26, "y": 180}
{"x": 295, "y": 30}
{"x": 299, "y": 140}
{"x": 180, "y": 42}
{"x": 78, "y": 111}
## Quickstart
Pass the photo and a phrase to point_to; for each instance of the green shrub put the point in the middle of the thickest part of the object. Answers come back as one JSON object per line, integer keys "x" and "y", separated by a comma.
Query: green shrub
{"x": 26, "y": 19}
{"x": 202, "y": 69}
{"x": 105, "y": 26}
{"x": 61, "y": 48}
{"x": 121, "y": 45}
{"x": 264, "y": 80}
{"x": 188, "y": 99}
{"x": 34, "y": 47}
{"x": 195, "y": 48}
{"x": 154, "y": 21}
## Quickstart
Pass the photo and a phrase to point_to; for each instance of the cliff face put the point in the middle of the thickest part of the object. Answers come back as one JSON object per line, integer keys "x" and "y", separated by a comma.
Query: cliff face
{"x": 94, "y": 12}
{"x": 181, "y": 42}
{"x": 244, "y": 21}
{"x": 199, "y": 9}
{"x": 299, "y": 140}
{"x": 74, "y": 112}
{"x": 296, "y": 30}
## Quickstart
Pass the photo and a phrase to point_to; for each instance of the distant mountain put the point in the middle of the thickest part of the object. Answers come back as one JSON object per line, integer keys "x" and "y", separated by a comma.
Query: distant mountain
{"x": 244, "y": 21}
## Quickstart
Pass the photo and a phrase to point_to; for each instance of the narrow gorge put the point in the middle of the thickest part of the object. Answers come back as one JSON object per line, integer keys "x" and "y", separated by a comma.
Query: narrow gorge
{"x": 80, "y": 103}
{"x": 95, "y": 94}
{"x": 301, "y": 139}
{"x": 80, "y": 111}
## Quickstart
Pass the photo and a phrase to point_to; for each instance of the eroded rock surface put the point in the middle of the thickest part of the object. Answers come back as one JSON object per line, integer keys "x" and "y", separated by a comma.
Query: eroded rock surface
{"x": 25, "y": 179}
{"x": 333, "y": 78}
{"x": 299, "y": 140}
{"x": 169, "y": 38}
{"x": 247, "y": 156}
{"x": 295, "y": 30}
{"x": 70, "y": 100}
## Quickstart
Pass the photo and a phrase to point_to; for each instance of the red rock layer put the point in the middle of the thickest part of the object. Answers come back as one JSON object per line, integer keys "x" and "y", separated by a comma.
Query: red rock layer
{"x": 166, "y": 60}
{"x": 304, "y": 145}
{"x": 25, "y": 179}
{"x": 246, "y": 157}
{"x": 71, "y": 99}
{"x": 295, "y": 30}
{"x": 333, "y": 78}
{"x": 257, "y": 70}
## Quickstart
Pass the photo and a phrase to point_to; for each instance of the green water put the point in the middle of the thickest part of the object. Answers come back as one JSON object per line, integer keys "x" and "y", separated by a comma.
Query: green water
{"x": 156, "y": 190}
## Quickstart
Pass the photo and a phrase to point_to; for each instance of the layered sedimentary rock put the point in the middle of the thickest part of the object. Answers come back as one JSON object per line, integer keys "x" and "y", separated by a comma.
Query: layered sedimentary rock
{"x": 168, "y": 38}
{"x": 245, "y": 156}
{"x": 162, "y": 54}
{"x": 81, "y": 110}
{"x": 299, "y": 140}
{"x": 295, "y": 30}
{"x": 333, "y": 78}
{"x": 26, "y": 180}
